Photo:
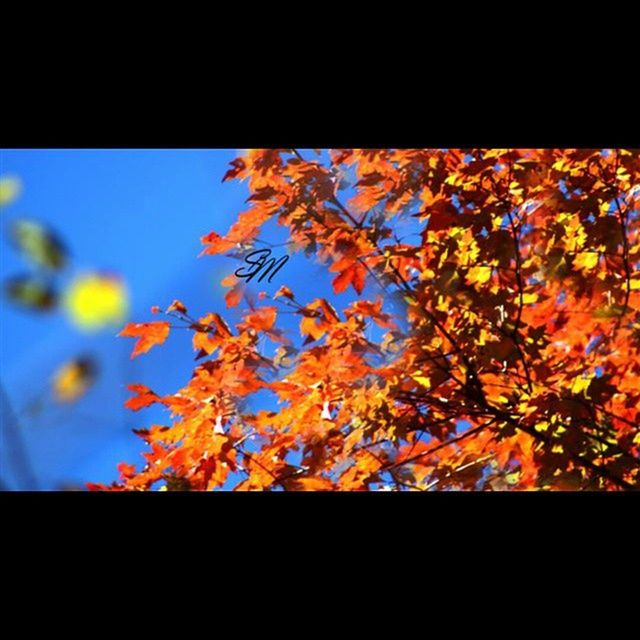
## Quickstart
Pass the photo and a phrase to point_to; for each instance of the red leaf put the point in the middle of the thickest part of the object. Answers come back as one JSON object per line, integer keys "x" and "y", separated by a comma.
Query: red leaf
{"x": 354, "y": 275}
{"x": 442, "y": 215}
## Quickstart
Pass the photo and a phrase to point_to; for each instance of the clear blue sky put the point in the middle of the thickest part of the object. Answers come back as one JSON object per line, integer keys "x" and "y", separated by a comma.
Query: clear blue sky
{"x": 136, "y": 212}
{"x": 140, "y": 213}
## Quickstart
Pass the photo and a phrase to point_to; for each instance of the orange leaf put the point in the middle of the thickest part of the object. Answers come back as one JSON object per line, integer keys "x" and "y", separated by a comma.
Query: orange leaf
{"x": 229, "y": 281}
{"x": 234, "y": 295}
{"x": 126, "y": 470}
{"x": 144, "y": 398}
{"x": 261, "y": 319}
{"x": 215, "y": 244}
{"x": 284, "y": 291}
{"x": 313, "y": 484}
{"x": 149, "y": 334}
{"x": 176, "y": 305}
{"x": 309, "y": 327}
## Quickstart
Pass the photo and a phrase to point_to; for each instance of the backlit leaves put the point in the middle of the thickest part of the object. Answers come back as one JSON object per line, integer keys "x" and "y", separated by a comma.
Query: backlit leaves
{"x": 493, "y": 345}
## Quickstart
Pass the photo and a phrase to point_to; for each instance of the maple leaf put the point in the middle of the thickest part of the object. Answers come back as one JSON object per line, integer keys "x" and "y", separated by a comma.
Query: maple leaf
{"x": 144, "y": 397}
{"x": 234, "y": 295}
{"x": 353, "y": 275}
{"x": 149, "y": 334}
{"x": 215, "y": 244}
{"x": 442, "y": 215}
{"x": 261, "y": 319}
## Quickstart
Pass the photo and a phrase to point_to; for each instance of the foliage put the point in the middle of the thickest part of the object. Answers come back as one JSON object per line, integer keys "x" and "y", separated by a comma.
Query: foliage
{"x": 514, "y": 364}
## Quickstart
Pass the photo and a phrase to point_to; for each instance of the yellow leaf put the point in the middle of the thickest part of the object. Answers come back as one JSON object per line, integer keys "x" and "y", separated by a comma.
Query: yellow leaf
{"x": 479, "y": 274}
{"x": 585, "y": 260}
{"x": 634, "y": 284}
{"x": 529, "y": 298}
{"x": 580, "y": 384}
{"x": 423, "y": 380}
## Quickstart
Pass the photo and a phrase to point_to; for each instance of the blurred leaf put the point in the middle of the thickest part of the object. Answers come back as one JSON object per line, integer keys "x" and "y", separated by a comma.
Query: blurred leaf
{"x": 94, "y": 301}
{"x": 39, "y": 244}
{"x": 10, "y": 189}
{"x": 31, "y": 293}
{"x": 73, "y": 379}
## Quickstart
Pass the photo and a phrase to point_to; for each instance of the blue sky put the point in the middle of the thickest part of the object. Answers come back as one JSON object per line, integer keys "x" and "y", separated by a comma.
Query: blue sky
{"x": 139, "y": 213}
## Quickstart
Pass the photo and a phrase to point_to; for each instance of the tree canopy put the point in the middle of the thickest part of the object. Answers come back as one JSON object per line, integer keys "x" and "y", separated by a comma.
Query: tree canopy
{"x": 492, "y": 343}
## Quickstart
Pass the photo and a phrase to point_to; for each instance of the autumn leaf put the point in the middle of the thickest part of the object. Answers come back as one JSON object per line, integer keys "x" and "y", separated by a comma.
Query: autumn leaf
{"x": 144, "y": 397}
{"x": 176, "y": 305}
{"x": 479, "y": 274}
{"x": 585, "y": 260}
{"x": 312, "y": 484}
{"x": 215, "y": 244}
{"x": 149, "y": 334}
{"x": 234, "y": 295}
{"x": 353, "y": 275}
{"x": 284, "y": 291}
{"x": 238, "y": 167}
{"x": 261, "y": 319}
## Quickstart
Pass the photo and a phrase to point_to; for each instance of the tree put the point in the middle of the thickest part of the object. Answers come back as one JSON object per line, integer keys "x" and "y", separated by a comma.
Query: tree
{"x": 512, "y": 364}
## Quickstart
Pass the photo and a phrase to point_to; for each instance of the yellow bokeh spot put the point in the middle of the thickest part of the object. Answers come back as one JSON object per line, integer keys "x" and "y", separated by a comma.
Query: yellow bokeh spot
{"x": 95, "y": 301}
{"x": 10, "y": 189}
